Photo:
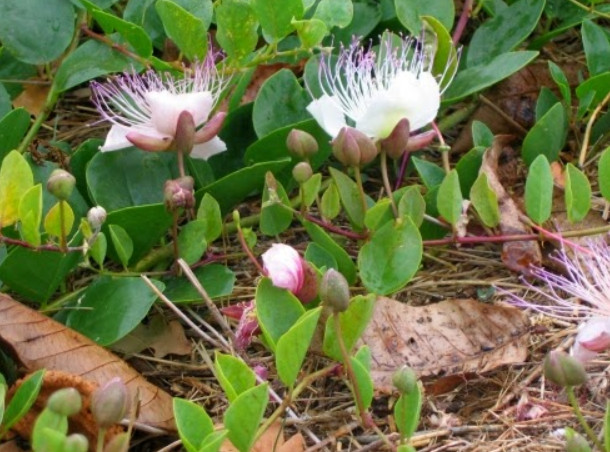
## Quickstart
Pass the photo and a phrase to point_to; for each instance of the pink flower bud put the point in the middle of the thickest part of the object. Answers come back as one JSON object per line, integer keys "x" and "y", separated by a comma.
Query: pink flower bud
{"x": 179, "y": 193}
{"x": 301, "y": 144}
{"x": 110, "y": 403}
{"x": 396, "y": 143}
{"x": 564, "y": 370}
{"x": 284, "y": 266}
{"x": 353, "y": 148}
{"x": 309, "y": 288}
{"x": 302, "y": 172}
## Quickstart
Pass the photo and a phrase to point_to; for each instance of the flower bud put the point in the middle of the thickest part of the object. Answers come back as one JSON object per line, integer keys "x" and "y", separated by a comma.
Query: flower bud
{"x": 211, "y": 128}
{"x": 396, "y": 143}
{"x": 76, "y": 442}
{"x": 120, "y": 443}
{"x": 61, "y": 183}
{"x": 109, "y": 403}
{"x": 96, "y": 216}
{"x": 309, "y": 289}
{"x": 334, "y": 290}
{"x": 405, "y": 380}
{"x": 353, "y": 148}
{"x": 301, "y": 144}
{"x": 185, "y": 133}
{"x": 179, "y": 193}
{"x": 564, "y": 370}
{"x": 66, "y": 401}
{"x": 302, "y": 172}
{"x": 283, "y": 264}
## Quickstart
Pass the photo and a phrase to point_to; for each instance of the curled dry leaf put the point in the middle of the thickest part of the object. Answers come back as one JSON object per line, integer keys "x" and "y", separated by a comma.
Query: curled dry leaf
{"x": 33, "y": 97}
{"x": 446, "y": 338}
{"x": 518, "y": 256}
{"x": 37, "y": 342}
{"x": 272, "y": 439}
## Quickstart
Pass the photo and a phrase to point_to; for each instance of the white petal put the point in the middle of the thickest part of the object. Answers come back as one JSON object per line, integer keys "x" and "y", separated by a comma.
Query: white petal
{"x": 208, "y": 149}
{"x": 165, "y": 108}
{"x": 326, "y": 111}
{"x": 116, "y": 139}
{"x": 417, "y": 99}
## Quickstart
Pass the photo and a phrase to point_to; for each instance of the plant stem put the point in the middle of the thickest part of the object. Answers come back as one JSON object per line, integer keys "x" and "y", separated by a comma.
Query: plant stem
{"x": 444, "y": 148}
{"x": 590, "y": 433}
{"x": 100, "y": 439}
{"x": 366, "y": 420}
{"x": 335, "y": 229}
{"x": 358, "y": 177}
{"x": 589, "y": 9}
{"x": 118, "y": 47}
{"x": 181, "y": 163}
{"x": 386, "y": 182}
{"x": 587, "y": 137}
{"x": 247, "y": 250}
{"x": 462, "y": 22}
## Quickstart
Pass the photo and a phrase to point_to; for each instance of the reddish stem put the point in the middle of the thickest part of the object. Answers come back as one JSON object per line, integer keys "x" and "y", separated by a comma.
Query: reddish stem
{"x": 463, "y": 20}
{"x": 248, "y": 251}
{"x": 335, "y": 229}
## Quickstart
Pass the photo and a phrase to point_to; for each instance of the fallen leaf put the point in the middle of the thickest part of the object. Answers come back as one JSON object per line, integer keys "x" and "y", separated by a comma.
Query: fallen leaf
{"x": 37, "y": 342}
{"x": 271, "y": 440}
{"x": 32, "y": 98}
{"x": 520, "y": 255}
{"x": 165, "y": 338}
{"x": 447, "y": 338}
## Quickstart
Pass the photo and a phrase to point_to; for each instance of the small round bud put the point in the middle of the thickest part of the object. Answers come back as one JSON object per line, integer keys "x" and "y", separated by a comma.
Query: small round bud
{"x": 301, "y": 144}
{"x": 61, "y": 183}
{"x": 109, "y": 403}
{"x": 563, "y": 369}
{"x": 396, "y": 143}
{"x": 405, "y": 380}
{"x": 66, "y": 401}
{"x": 334, "y": 290}
{"x": 96, "y": 216}
{"x": 353, "y": 148}
{"x": 76, "y": 443}
{"x": 179, "y": 193}
{"x": 302, "y": 172}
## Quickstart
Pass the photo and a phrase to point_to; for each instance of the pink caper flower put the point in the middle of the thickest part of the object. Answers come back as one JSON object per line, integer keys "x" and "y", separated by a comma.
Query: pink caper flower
{"x": 247, "y": 327}
{"x": 285, "y": 267}
{"x": 144, "y": 108}
{"x": 581, "y": 294}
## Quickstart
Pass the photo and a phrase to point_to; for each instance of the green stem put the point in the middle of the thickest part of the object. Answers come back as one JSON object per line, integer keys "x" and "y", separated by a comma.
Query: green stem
{"x": 590, "y": 433}
{"x": 589, "y": 9}
{"x": 386, "y": 182}
{"x": 358, "y": 177}
{"x": 100, "y": 439}
{"x": 587, "y": 137}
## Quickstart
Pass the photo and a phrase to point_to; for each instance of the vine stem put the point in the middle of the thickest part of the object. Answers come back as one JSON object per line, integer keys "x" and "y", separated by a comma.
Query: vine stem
{"x": 587, "y": 136}
{"x": 248, "y": 251}
{"x": 462, "y": 22}
{"x": 581, "y": 419}
{"x": 590, "y": 9}
{"x": 358, "y": 177}
{"x": 386, "y": 182}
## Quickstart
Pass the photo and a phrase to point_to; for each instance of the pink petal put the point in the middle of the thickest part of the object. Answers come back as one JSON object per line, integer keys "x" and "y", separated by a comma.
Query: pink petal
{"x": 149, "y": 142}
{"x": 284, "y": 266}
{"x": 593, "y": 337}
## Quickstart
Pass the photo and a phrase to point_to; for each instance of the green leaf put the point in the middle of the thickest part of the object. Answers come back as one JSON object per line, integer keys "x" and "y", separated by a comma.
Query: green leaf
{"x": 293, "y": 345}
{"x": 468, "y": 168}
{"x": 596, "y": 87}
{"x": 209, "y": 213}
{"x": 276, "y": 213}
{"x": 597, "y": 47}
{"x": 410, "y": 12}
{"x": 13, "y": 127}
{"x": 412, "y": 205}
{"x": 446, "y": 58}
{"x": 216, "y": 279}
{"x": 22, "y": 400}
{"x": 350, "y": 197}
{"x": 186, "y": 30}
{"x": 5, "y": 102}
{"x": 353, "y": 323}
{"x": 53, "y": 223}
{"x": 319, "y": 257}
{"x": 16, "y": 179}
{"x": 214, "y": 441}
{"x": 391, "y": 257}
{"x": 562, "y": 82}
{"x": 234, "y": 375}
{"x": 98, "y": 248}
{"x": 504, "y": 31}
{"x": 365, "y": 382}
{"x": 407, "y": 412}
{"x": 236, "y": 27}
{"x": 91, "y": 59}
{"x": 481, "y": 134}
{"x": 379, "y": 214}
{"x": 485, "y": 201}
{"x": 36, "y": 34}
{"x": 331, "y": 202}
{"x": 477, "y": 78}
{"x": 546, "y": 137}
{"x": 280, "y": 102}
{"x": 546, "y": 100}
{"x": 30, "y": 214}
{"x": 311, "y": 188}
{"x": 50, "y": 430}
{"x": 335, "y": 13}
{"x": 122, "y": 243}
{"x": 539, "y": 190}
{"x": 577, "y": 193}
{"x": 603, "y": 173}
{"x": 277, "y": 311}
{"x": 449, "y": 198}
{"x": 311, "y": 32}
{"x": 108, "y": 299}
{"x": 134, "y": 34}
{"x": 275, "y": 16}
{"x": 193, "y": 423}
{"x": 244, "y": 416}
{"x": 431, "y": 175}
{"x": 191, "y": 241}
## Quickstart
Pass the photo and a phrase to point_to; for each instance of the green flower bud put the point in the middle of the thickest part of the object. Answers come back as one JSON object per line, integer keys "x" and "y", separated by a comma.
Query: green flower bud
{"x": 301, "y": 144}
{"x": 110, "y": 403}
{"x": 405, "y": 380}
{"x": 76, "y": 443}
{"x": 396, "y": 143}
{"x": 302, "y": 172}
{"x": 353, "y": 148}
{"x": 563, "y": 369}
{"x": 334, "y": 290}
{"x": 60, "y": 184}
{"x": 96, "y": 216}
{"x": 66, "y": 401}
{"x": 179, "y": 193}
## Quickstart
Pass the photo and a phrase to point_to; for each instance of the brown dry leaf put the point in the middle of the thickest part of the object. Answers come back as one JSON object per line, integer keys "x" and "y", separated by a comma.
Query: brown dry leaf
{"x": 518, "y": 256}
{"x": 446, "y": 338}
{"x": 272, "y": 439}
{"x": 165, "y": 338}
{"x": 11, "y": 446}
{"x": 37, "y": 342}
{"x": 32, "y": 98}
